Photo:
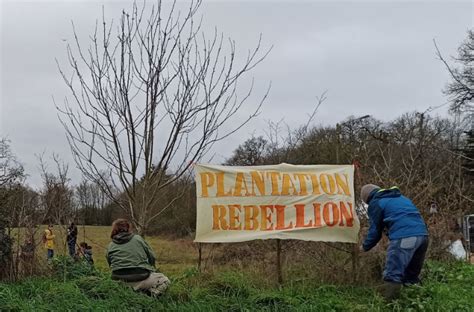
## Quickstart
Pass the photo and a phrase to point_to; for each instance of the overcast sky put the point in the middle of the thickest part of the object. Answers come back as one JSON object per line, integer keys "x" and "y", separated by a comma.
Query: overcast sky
{"x": 374, "y": 57}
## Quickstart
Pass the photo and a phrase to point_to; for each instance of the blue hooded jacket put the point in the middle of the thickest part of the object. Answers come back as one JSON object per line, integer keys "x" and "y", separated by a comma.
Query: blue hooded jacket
{"x": 388, "y": 208}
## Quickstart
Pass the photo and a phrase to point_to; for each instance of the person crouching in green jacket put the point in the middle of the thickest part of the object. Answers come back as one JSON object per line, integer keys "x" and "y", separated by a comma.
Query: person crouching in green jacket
{"x": 132, "y": 260}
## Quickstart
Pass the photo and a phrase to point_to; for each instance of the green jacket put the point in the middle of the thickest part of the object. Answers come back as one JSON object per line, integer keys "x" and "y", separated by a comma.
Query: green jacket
{"x": 130, "y": 251}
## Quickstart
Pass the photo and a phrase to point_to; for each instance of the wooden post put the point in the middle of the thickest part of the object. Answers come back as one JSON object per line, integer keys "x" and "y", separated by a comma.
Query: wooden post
{"x": 200, "y": 257}
{"x": 278, "y": 262}
{"x": 355, "y": 263}
{"x": 355, "y": 248}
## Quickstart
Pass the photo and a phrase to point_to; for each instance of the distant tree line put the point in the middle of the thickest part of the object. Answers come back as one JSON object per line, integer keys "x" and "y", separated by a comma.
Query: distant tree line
{"x": 427, "y": 157}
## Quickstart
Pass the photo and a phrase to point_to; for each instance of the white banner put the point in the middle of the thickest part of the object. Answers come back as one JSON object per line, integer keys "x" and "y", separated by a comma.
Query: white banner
{"x": 306, "y": 202}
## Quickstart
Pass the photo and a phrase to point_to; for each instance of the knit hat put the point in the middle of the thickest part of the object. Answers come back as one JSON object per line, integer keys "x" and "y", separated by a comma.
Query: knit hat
{"x": 366, "y": 190}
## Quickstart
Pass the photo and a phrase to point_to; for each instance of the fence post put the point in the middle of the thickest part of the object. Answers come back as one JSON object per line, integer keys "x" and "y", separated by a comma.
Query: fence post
{"x": 200, "y": 257}
{"x": 355, "y": 263}
{"x": 278, "y": 262}
{"x": 355, "y": 248}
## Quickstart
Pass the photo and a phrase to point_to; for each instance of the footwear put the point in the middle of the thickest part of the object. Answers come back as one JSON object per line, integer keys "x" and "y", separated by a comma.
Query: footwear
{"x": 412, "y": 283}
{"x": 390, "y": 291}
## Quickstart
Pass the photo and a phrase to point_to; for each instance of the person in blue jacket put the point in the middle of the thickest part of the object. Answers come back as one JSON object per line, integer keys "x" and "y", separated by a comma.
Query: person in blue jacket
{"x": 395, "y": 214}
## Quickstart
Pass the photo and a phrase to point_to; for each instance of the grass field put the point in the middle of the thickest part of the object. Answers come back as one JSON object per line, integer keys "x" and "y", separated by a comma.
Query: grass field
{"x": 72, "y": 287}
{"x": 173, "y": 256}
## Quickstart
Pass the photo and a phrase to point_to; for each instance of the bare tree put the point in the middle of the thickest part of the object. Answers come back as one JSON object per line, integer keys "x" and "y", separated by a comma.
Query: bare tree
{"x": 249, "y": 153}
{"x": 461, "y": 89}
{"x": 279, "y": 144}
{"x": 21, "y": 203}
{"x": 461, "y": 93}
{"x": 91, "y": 201}
{"x": 11, "y": 175}
{"x": 10, "y": 169}
{"x": 56, "y": 193}
{"x": 150, "y": 96}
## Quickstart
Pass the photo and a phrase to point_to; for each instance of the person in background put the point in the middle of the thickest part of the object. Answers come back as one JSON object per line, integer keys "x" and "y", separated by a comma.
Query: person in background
{"x": 72, "y": 239}
{"x": 391, "y": 211}
{"x": 27, "y": 255}
{"x": 132, "y": 260}
{"x": 86, "y": 252}
{"x": 433, "y": 208}
{"x": 48, "y": 240}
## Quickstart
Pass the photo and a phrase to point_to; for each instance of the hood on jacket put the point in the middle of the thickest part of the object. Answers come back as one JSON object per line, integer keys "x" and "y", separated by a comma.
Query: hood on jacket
{"x": 122, "y": 238}
{"x": 394, "y": 191}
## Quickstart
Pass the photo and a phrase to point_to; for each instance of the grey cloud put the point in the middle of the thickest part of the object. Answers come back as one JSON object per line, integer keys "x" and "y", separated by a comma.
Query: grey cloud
{"x": 374, "y": 58}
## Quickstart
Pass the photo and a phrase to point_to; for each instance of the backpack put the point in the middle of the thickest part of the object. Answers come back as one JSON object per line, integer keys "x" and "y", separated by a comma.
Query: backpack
{"x": 43, "y": 238}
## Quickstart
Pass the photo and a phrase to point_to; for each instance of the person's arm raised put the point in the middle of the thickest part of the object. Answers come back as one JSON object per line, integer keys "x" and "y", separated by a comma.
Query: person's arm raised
{"x": 376, "y": 227}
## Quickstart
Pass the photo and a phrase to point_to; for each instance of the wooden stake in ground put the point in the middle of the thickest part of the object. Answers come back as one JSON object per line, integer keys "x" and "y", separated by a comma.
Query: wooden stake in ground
{"x": 278, "y": 262}
{"x": 200, "y": 257}
{"x": 355, "y": 248}
{"x": 355, "y": 263}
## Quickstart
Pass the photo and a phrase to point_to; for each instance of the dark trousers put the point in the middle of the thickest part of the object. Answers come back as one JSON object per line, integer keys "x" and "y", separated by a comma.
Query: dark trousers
{"x": 71, "y": 244}
{"x": 50, "y": 254}
{"x": 405, "y": 259}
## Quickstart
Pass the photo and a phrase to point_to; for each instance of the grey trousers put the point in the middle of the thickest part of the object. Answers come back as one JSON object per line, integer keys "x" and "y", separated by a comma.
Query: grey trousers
{"x": 156, "y": 284}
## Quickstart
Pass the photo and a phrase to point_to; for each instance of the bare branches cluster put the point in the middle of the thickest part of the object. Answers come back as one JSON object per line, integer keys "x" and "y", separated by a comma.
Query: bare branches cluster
{"x": 461, "y": 88}
{"x": 150, "y": 96}
{"x": 10, "y": 169}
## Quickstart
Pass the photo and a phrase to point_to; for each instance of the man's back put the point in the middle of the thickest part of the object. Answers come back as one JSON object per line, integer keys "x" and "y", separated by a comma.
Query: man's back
{"x": 389, "y": 209}
{"x": 399, "y": 215}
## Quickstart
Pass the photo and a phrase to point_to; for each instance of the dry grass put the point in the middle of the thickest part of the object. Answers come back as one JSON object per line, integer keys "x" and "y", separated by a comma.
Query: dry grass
{"x": 300, "y": 260}
{"x": 236, "y": 277}
{"x": 173, "y": 256}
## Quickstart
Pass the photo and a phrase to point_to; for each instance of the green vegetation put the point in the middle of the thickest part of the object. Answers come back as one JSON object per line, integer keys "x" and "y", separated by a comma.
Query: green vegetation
{"x": 447, "y": 287}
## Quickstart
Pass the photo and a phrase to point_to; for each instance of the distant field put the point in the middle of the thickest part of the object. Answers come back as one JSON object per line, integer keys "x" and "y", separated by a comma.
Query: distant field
{"x": 173, "y": 256}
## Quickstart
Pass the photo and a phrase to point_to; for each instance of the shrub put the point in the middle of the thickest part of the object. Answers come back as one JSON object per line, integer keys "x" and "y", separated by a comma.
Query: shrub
{"x": 67, "y": 268}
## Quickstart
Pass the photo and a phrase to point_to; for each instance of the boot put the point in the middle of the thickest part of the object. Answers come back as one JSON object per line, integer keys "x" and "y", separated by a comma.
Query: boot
{"x": 390, "y": 291}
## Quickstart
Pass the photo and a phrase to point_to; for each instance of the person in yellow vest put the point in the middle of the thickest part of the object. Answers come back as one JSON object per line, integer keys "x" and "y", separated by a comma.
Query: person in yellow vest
{"x": 48, "y": 240}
